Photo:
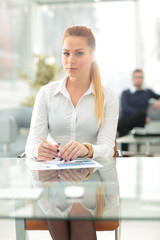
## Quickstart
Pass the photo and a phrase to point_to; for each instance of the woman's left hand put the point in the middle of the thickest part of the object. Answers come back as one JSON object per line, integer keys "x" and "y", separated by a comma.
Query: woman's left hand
{"x": 72, "y": 150}
{"x": 74, "y": 175}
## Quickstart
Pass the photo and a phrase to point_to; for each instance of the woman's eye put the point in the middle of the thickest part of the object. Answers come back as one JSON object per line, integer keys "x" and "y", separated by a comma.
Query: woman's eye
{"x": 79, "y": 53}
{"x": 65, "y": 53}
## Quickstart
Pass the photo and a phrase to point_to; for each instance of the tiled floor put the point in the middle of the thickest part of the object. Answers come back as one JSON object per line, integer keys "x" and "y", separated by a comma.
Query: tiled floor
{"x": 129, "y": 231}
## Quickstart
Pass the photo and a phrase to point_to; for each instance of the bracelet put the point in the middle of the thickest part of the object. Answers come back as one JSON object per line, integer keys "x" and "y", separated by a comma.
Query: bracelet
{"x": 90, "y": 150}
{"x": 90, "y": 173}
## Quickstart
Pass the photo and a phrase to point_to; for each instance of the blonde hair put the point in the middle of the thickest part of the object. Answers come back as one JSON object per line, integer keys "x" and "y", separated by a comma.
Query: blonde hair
{"x": 100, "y": 201}
{"x": 82, "y": 31}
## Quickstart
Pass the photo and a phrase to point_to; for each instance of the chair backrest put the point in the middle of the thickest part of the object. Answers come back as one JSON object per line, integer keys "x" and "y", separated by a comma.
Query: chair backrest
{"x": 22, "y": 115}
{"x": 8, "y": 129}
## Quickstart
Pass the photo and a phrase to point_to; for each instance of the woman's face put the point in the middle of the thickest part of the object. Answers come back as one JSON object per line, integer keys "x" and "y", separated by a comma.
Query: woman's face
{"x": 77, "y": 57}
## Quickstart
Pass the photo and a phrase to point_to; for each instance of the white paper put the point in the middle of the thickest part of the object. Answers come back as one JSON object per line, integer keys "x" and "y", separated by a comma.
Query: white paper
{"x": 57, "y": 164}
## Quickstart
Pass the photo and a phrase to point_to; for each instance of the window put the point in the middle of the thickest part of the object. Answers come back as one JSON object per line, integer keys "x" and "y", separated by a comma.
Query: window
{"x": 38, "y": 26}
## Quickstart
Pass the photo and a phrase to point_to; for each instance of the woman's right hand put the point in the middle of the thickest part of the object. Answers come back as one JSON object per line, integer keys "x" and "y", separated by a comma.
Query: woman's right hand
{"x": 45, "y": 151}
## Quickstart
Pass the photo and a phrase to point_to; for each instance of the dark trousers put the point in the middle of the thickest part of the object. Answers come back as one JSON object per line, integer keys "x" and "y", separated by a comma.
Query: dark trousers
{"x": 126, "y": 124}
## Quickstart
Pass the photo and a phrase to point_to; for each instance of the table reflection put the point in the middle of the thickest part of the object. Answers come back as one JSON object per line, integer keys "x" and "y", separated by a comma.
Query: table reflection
{"x": 68, "y": 194}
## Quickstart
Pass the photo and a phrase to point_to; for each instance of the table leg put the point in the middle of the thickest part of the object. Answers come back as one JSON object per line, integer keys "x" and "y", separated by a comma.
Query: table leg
{"x": 138, "y": 147}
{"x": 147, "y": 148}
{"x": 20, "y": 229}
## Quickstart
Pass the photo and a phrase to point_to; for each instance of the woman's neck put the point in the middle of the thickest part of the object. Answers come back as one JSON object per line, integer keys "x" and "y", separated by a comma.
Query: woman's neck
{"x": 76, "y": 83}
{"x": 76, "y": 89}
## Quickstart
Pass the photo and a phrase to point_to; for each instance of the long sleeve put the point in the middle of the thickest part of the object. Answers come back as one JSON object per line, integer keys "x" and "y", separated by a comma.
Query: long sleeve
{"x": 39, "y": 122}
{"x": 153, "y": 94}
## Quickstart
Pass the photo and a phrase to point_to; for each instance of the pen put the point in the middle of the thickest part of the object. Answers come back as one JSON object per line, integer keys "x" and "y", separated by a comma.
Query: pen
{"x": 44, "y": 140}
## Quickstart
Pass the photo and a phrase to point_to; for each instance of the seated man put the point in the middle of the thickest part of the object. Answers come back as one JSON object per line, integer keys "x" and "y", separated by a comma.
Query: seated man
{"x": 134, "y": 103}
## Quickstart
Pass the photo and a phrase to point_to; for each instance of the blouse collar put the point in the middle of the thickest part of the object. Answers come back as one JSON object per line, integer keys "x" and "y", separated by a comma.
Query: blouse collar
{"x": 61, "y": 87}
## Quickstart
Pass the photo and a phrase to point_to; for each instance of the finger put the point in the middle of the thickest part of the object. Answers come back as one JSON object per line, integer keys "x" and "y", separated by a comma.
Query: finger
{"x": 70, "y": 152}
{"x": 78, "y": 151}
{"x": 45, "y": 151}
{"x": 81, "y": 173}
{"x": 45, "y": 156}
{"x": 50, "y": 178}
{"x": 73, "y": 176}
{"x": 49, "y": 154}
{"x": 66, "y": 176}
{"x": 51, "y": 148}
{"x": 49, "y": 173}
{"x": 53, "y": 178}
{"x": 68, "y": 146}
{"x": 44, "y": 148}
{"x": 43, "y": 173}
{"x": 76, "y": 154}
{"x": 77, "y": 176}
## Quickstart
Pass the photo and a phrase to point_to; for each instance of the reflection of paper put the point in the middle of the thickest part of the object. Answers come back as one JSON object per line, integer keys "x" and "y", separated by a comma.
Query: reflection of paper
{"x": 57, "y": 164}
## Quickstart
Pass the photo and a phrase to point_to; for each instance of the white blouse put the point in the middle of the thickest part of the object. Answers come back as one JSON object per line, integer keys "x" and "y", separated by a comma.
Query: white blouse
{"x": 56, "y": 119}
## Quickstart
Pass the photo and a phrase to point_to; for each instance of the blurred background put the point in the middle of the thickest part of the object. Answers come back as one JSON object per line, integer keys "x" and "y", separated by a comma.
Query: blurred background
{"x": 127, "y": 34}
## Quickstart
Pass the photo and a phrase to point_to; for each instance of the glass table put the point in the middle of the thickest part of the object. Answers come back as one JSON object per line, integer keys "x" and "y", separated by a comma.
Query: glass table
{"x": 59, "y": 199}
{"x": 129, "y": 189}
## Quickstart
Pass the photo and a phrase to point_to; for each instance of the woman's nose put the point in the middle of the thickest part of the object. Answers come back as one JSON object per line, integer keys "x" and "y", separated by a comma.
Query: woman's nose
{"x": 72, "y": 59}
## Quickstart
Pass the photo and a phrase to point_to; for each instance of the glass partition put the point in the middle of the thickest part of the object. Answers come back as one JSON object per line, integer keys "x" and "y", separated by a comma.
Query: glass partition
{"x": 126, "y": 39}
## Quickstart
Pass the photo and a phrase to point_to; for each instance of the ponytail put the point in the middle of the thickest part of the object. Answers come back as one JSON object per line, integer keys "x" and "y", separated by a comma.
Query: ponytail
{"x": 100, "y": 201}
{"x": 98, "y": 91}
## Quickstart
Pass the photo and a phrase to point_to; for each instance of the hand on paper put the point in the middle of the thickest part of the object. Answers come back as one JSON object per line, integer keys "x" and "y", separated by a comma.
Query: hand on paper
{"x": 72, "y": 150}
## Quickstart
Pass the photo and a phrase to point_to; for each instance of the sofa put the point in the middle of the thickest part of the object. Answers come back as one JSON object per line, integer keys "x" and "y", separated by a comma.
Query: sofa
{"x": 14, "y": 127}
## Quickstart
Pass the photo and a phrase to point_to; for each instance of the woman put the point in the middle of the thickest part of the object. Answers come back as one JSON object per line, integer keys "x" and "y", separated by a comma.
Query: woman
{"x": 76, "y": 114}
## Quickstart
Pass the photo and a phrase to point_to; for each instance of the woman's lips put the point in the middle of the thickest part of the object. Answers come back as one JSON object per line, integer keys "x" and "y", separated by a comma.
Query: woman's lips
{"x": 71, "y": 69}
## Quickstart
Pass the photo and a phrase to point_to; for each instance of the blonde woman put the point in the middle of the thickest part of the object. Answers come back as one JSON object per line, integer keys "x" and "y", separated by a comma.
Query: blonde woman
{"x": 76, "y": 114}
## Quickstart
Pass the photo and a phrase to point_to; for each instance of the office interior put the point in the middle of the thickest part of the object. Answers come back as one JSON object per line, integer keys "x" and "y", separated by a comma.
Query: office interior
{"x": 128, "y": 37}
